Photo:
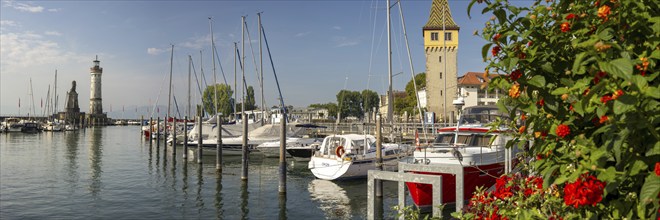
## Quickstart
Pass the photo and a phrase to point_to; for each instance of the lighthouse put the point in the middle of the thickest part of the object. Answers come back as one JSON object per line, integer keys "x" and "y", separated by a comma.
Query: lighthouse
{"x": 96, "y": 115}
{"x": 95, "y": 104}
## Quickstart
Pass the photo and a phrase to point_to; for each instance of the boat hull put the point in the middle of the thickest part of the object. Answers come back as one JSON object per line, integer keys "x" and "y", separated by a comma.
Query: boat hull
{"x": 422, "y": 194}
{"x": 336, "y": 169}
{"x": 301, "y": 154}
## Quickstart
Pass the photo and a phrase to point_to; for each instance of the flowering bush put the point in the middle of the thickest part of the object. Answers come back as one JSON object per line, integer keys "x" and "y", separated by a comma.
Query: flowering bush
{"x": 584, "y": 74}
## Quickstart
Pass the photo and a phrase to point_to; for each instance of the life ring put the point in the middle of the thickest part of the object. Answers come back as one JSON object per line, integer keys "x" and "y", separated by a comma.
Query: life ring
{"x": 339, "y": 151}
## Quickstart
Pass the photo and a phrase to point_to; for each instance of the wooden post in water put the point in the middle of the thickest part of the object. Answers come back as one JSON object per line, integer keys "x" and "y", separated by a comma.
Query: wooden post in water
{"x": 185, "y": 138}
{"x": 141, "y": 121}
{"x": 282, "y": 186}
{"x": 174, "y": 137}
{"x": 218, "y": 147}
{"x": 151, "y": 121}
{"x": 158, "y": 132}
{"x": 379, "y": 153}
{"x": 244, "y": 160}
{"x": 199, "y": 140}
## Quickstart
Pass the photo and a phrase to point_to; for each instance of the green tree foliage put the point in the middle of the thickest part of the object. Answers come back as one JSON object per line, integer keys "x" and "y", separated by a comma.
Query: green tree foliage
{"x": 350, "y": 104}
{"x": 409, "y": 102}
{"x": 224, "y": 99}
{"x": 370, "y": 100}
{"x": 250, "y": 102}
{"x": 585, "y": 75}
{"x": 331, "y": 107}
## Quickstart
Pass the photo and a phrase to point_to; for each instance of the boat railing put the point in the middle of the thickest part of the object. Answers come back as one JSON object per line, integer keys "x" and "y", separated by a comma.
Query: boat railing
{"x": 456, "y": 149}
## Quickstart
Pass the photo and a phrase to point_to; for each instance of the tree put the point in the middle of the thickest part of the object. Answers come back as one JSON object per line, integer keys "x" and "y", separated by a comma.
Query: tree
{"x": 409, "y": 102}
{"x": 584, "y": 74}
{"x": 223, "y": 101}
{"x": 250, "y": 103}
{"x": 350, "y": 103}
{"x": 370, "y": 100}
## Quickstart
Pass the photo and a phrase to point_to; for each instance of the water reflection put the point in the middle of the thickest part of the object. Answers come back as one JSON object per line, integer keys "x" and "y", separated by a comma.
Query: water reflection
{"x": 244, "y": 200}
{"x": 218, "y": 195}
{"x": 332, "y": 199}
{"x": 95, "y": 155}
{"x": 200, "y": 184}
{"x": 282, "y": 206}
{"x": 72, "y": 140}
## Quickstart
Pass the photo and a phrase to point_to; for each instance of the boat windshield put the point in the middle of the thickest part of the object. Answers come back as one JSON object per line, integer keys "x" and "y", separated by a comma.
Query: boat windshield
{"x": 464, "y": 139}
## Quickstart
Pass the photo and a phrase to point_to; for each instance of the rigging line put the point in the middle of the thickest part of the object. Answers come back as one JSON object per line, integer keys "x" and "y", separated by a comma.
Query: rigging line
{"x": 263, "y": 31}
{"x": 371, "y": 55}
{"x": 412, "y": 72}
{"x": 254, "y": 60}
{"x": 217, "y": 57}
{"x": 158, "y": 97}
{"x": 176, "y": 106}
{"x": 196, "y": 79}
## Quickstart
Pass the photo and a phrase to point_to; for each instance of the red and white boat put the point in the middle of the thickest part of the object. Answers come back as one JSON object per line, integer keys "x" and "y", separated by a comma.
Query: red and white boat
{"x": 468, "y": 145}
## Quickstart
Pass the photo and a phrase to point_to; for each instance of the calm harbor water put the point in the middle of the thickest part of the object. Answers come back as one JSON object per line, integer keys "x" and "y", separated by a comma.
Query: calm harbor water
{"x": 112, "y": 173}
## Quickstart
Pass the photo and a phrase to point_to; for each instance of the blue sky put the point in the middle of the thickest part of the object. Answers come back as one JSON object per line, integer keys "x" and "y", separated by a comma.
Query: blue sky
{"x": 318, "y": 48}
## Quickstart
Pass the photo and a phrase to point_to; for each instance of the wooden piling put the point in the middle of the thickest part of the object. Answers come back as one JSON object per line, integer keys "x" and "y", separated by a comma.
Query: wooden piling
{"x": 199, "y": 140}
{"x": 218, "y": 146}
{"x": 157, "y": 132}
{"x": 282, "y": 177}
{"x": 379, "y": 153}
{"x": 174, "y": 137}
{"x": 244, "y": 159}
{"x": 151, "y": 121}
{"x": 185, "y": 138}
{"x": 141, "y": 121}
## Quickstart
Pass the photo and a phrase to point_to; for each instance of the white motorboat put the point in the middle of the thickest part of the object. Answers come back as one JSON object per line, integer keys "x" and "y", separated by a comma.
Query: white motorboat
{"x": 352, "y": 155}
{"x": 53, "y": 126}
{"x": 12, "y": 125}
{"x": 468, "y": 145}
{"x": 272, "y": 149}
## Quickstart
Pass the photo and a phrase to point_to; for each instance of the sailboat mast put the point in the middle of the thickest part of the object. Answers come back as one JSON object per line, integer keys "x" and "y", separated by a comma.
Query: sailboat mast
{"x": 261, "y": 70}
{"x": 55, "y": 95}
{"x": 169, "y": 96}
{"x": 215, "y": 81}
{"x": 32, "y": 97}
{"x": 189, "y": 71}
{"x": 390, "y": 96}
{"x": 233, "y": 107}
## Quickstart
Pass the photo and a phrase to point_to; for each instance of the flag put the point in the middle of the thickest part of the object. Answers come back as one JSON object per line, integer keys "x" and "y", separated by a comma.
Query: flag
{"x": 42, "y": 102}
{"x": 19, "y": 102}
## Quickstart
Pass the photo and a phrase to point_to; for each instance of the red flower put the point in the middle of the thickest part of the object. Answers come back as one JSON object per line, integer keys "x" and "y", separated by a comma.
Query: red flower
{"x": 657, "y": 168}
{"x": 606, "y": 98}
{"x": 533, "y": 184}
{"x": 603, "y": 12}
{"x": 570, "y": 108}
{"x": 529, "y": 44}
{"x": 515, "y": 75}
{"x": 541, "y": 102}
{"x": 570, "y": 16}
{"x": 496, "y": 37}
{"x": 603, "y": 119}
{"x": 586, "y": 190}
{"x": 563, "y": 130}
{"x": 617, "y": 94}
{"x": 501, "y": 189}
{"x": 565, "y": 27}
{"x": 496, "y": 49}
{"x": 599, "y": 76}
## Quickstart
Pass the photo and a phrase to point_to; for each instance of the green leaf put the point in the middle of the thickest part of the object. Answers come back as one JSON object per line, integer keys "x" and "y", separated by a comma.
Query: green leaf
{"x": 538, "y": 81}
{"x": 605, "y": 34}
{"x": 640, "y": 82}
{"x": 484, "y": 50}
{"x": 653, "y": 92}
{"x": 608, "y": 175}
{"x": 560, "y": 91}
{"x": 655, "y": 150}
{"x": 650, "y": 189}
{"x": 637, "y": 167}
{"x": 621, "y": 68}
{"x": 577, "y": 64}
{"x": 624, "y": 103}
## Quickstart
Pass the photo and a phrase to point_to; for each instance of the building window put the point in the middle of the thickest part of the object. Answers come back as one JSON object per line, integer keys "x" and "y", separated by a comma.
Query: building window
{"x": 448, "y": 36}
{"x": 434, "y": 36}
{"x": 481, "y": 103}
{"x": 440, "y": 75}
{"x": 440, "y": 59}
{"x": 440, "y": 92}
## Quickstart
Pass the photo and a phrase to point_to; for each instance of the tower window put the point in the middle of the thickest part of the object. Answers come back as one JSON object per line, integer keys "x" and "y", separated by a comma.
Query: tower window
{"x": 434, "y": 36}
{"x": 440, "y": 75}
{"x": 448, "y": 36}
{"x": 440, "y": 59}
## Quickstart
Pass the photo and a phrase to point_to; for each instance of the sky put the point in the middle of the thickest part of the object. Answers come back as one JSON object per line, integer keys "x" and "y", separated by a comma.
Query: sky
{"x": 317, "y": 48}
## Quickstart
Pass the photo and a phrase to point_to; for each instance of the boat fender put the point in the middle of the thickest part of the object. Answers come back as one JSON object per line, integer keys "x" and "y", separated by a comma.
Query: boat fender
{"x": 339, "y": 151}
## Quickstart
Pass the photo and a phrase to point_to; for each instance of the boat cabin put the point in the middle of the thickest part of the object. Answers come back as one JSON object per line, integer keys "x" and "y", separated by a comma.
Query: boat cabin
{"x": 355, "y": 144}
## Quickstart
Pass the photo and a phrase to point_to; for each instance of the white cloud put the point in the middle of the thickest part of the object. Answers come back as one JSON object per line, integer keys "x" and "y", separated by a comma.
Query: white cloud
{"x": 53, "y": 33}
{"x": 154, "y": 51}
{"x": 8, "y": 23}
{"x": 27, "y": 7}
{"x": 302, "y": 34}
{"x": 197, "y": 42}
{"x": 27, "y": 49}
{"x": 336, "y": 27}
{"x": 344, "y": 42}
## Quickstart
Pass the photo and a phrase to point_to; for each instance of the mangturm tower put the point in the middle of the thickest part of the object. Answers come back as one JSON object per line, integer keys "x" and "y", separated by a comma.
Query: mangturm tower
{"x": 96, "y": 115}
{"x": 441, "y": 47}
